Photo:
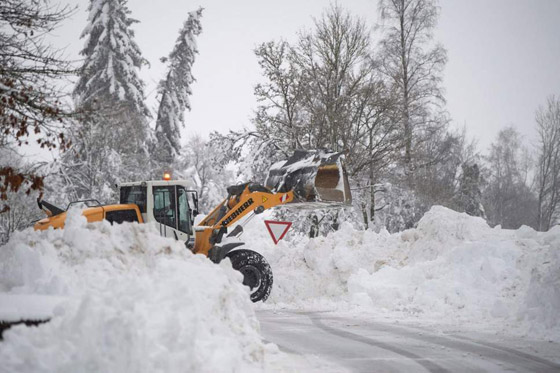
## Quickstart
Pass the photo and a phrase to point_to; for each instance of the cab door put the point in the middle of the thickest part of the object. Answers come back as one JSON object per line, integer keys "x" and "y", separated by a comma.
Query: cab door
{"x": 172, "y": 212}
{"x": 165, "y": 210}
{"x": 184, "y": 214}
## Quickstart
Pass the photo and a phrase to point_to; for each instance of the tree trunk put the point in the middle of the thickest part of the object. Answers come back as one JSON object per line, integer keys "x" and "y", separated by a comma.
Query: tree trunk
{"x": 406, "y": 103}
{"x": 371, "y": 194}
{"x": 365, "y": 214}
{"x": 314, "y": 230}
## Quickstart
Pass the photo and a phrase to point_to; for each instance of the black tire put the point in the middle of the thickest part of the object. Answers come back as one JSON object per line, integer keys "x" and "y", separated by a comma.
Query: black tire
{"x": 256, "y": 272}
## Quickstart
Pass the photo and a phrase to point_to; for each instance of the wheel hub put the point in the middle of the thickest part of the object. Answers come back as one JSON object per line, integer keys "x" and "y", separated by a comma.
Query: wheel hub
{"x": 251, "y": 276}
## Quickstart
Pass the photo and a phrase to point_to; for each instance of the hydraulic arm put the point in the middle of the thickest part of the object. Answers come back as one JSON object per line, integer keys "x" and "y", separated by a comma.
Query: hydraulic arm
{"x": 243, "y": 200}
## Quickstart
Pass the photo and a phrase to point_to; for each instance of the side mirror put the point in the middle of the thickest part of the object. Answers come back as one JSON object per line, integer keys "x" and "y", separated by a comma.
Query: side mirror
{"x": 194, "y": 210}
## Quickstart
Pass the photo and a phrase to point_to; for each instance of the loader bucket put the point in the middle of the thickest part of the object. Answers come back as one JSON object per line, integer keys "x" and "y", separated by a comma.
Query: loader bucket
{"x": 314, "y": 176}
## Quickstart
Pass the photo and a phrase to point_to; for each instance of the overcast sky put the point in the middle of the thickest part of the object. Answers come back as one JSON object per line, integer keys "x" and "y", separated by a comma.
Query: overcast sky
{"x": 504, "y": 55}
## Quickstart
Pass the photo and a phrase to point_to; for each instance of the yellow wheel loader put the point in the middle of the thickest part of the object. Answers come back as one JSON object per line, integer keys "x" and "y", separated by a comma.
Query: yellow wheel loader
{"x": 306, "y": 180}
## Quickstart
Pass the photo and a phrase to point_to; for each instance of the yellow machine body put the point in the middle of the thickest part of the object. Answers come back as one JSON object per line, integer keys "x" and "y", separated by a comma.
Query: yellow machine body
{"x": 92, "y": 214}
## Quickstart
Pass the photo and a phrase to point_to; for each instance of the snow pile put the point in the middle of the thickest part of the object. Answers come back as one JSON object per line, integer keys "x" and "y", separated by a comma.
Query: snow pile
{"x": 452, "y": 267}
{"x": 132, "y": 301}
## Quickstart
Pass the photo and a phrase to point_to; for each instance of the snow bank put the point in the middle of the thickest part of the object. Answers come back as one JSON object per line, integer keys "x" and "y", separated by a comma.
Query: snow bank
{"x": 452, "y": 268}
{"x": 128, "y": 300}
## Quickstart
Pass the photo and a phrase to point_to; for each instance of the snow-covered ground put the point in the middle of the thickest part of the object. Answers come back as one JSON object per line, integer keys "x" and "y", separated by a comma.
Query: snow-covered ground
{"x": 122, "y": 298}
{"x": 360, "y": 343}
{"x": 453, "y": 269}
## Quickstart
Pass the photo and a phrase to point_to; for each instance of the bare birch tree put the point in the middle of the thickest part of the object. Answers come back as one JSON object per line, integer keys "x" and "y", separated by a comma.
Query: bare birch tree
{"x": 508, "y": 199}
{"x": 335, "y": 59}
{"x": 279, "y": 116}
{"x": 414, "y": 64}
{"x": 548, "y": 164}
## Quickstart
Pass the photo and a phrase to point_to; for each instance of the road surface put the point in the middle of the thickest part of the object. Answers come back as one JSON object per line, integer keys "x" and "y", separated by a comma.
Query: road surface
{"x": 359, "y": 345}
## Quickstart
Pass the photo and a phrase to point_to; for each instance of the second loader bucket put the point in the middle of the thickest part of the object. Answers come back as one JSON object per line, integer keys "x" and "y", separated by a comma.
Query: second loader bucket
{"x": 314, "y": 176}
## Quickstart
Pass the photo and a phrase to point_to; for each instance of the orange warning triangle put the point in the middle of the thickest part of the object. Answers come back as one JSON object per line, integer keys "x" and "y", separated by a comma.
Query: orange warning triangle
{"x": 277, "y": 229}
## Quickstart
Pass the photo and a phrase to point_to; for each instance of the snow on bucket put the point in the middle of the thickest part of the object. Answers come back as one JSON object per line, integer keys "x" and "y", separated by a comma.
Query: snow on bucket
{"x": 314, "y": 176}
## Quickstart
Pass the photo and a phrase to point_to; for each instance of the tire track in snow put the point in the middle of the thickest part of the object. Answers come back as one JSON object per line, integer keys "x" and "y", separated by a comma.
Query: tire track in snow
{"x": 492, "y": 351}
{"x": 551, "y": 366}
{"x": 426, "y": 363}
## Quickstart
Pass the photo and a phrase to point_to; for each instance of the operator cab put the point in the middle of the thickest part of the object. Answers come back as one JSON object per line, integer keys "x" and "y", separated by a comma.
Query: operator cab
{"x": 170, "y": 204}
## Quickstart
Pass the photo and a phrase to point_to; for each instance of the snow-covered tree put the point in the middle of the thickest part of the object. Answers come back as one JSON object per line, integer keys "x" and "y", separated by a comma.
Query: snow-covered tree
{"x": 209, "y": 177}
{"x": 92, "y": 166}
{"x": 397, "y": 208}
{"x": 175, "y": 89}
{"x": 111, "y": 137}
{"x": 469, "y": 198}
{"x": 23, "y": 206}
{"x": 326, "y": 91}
{"x": 111, "y": 58}
{"x": 252, "y": 153}
{"x": 413, "y": 63}
{"x": 508, "y": 199}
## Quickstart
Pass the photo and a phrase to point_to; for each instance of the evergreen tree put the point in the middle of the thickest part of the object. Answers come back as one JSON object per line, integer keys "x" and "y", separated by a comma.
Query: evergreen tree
{"x": 110, "y": 140}
{"x": 111, "y": 58}
{"x": 469, "y": 198}
{"x": 175, "y": 89}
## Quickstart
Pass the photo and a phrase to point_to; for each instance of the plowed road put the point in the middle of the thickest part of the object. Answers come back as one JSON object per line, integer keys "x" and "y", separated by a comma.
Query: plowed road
{"x": 360, "y": 345}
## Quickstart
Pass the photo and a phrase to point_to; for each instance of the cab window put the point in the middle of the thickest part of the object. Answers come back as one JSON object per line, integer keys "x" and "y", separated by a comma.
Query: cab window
{"x": 120, "y": 216}
{"x": 134, "y": 194}
{"x": 164, "y": 205}
{"x": 184, "y": 213}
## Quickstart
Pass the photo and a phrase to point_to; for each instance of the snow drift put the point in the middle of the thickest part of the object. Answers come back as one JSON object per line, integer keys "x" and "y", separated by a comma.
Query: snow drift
{"x": 122, "y": 298}
{"x": 452, "y": 268}
{"x": 127, "y": 300}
